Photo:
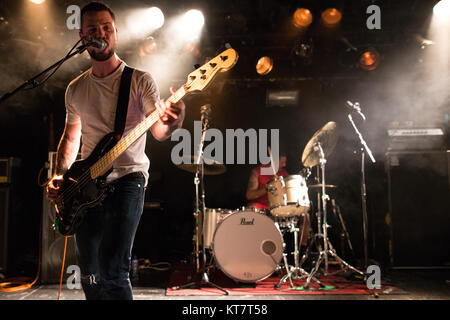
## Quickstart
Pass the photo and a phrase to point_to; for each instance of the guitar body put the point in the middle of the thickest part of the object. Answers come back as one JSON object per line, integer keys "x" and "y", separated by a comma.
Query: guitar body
{"x": 79, "y": 191}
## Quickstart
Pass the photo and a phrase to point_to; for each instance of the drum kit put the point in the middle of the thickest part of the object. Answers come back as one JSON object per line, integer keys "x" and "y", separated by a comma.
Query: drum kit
{"x": 248, "y": 244}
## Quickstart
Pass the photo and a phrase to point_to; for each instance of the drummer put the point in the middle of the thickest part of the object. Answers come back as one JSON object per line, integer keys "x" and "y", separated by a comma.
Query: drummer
{"x": 256, "y": 193}
{"x": 256, "y": 189}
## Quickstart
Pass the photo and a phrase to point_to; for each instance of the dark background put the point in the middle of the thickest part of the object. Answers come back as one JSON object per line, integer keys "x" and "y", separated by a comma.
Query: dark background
{"x": 403, "y": 88}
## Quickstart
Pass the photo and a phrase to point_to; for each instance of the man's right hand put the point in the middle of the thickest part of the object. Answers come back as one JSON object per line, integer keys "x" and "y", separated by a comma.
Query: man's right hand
{"x": 53, "y": 187}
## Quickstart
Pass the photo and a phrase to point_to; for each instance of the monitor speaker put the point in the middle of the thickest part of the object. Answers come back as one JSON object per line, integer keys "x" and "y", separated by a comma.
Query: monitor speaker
{"x": 52, "y": 248}
{"x": 419, "y": 205}
{"x": 4, "y": 213}
{"x": 52, "y": 242}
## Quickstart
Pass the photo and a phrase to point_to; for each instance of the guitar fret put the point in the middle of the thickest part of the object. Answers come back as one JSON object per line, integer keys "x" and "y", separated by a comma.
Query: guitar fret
{"x": 103, "y": 164}
{"x": 197, "y": 80}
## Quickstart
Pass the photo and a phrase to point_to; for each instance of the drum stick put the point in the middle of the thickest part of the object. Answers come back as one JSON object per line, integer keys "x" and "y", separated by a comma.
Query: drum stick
{"x": 271, "y": 162}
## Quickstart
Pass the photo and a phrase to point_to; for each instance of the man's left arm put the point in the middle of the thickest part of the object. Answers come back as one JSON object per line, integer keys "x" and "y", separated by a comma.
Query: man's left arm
{"x": 171, "y": 117}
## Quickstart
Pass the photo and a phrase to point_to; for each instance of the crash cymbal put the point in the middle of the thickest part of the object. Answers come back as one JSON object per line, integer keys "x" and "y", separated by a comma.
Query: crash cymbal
{"x": 327, "y": 137}
{"x": 210, "y": 167}
{"x": 320, "y": 186}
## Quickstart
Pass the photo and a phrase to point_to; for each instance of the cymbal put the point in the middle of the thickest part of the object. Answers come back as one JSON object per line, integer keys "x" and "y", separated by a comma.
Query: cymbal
{"x": 320, "y": 186}
{"x": 210, "y": 166}
{"x": 327, "y": 137}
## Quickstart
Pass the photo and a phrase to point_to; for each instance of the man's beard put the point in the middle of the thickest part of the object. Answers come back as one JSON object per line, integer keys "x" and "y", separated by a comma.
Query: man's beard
{"x": 101, "y": 56}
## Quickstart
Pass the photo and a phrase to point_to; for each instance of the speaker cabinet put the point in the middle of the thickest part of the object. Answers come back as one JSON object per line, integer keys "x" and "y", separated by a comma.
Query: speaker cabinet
{"x": 52, "y": 242}
{"x": 419, "y": 206}
{"x": 4, "y": 213}
{"x": 52, "y": 248}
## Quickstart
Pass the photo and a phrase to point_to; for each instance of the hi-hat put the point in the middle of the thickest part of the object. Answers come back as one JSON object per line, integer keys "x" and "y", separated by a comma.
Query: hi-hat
{"x": 210, "y": 166}
{"x": 327, "y": 138}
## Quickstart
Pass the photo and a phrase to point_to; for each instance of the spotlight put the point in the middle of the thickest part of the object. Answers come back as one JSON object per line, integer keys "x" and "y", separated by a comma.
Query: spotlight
{"x": 264, "y": 65}
{"x": 369, "y": 60}
{"x": 331, "y": 16}
{"x": 302, "y": 18}
{"x": 155, "y": 17}
{"x": 143, "y": 21}
{"x": 147, "y": 47}
{"x": 37, "y": 1}
{"x": 194, "y": 19}
{"x": 442, "y": 9}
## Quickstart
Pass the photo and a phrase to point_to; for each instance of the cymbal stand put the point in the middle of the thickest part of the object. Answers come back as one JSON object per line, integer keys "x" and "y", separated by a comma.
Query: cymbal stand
{"x": 204, "y": 275}
{"x": 296, "y": 272}
{"x": 328, "y": 248}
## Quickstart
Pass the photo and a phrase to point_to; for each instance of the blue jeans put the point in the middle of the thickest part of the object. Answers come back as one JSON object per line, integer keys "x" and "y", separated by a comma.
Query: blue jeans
{"x": 105, "y": 239}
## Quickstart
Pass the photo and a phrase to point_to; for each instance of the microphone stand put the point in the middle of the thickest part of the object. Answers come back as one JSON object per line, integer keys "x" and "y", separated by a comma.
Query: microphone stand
{"x": 32, "y": 81}
{"x": 364, "y": 149}
{"x": 200, "y": 164}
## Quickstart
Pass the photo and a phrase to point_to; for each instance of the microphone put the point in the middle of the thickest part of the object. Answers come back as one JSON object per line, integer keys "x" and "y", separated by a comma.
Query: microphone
{"x": 355, "y": 107}
{"x": 205, "y": 112}
{"x": 96, "y": 43}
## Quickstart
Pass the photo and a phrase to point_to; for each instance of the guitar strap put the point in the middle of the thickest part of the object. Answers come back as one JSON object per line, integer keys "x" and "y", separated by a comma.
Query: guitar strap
{"x": 122, "y": 102}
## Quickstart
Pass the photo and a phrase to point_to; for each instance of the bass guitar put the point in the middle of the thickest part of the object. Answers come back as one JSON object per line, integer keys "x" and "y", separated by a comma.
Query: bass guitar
{"x": 84, "y": 184}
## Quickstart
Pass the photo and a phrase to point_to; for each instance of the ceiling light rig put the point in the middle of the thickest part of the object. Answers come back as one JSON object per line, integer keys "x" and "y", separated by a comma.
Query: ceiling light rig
{"x": 331, "y": 16}
{"x": 264, "y": 65}
{"x": 369, "y": 59}
{"x": 302, "y": 18}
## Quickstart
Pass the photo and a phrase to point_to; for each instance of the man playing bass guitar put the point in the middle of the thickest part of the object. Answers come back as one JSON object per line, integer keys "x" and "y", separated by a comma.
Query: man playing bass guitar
{"x": 105, "y": 236}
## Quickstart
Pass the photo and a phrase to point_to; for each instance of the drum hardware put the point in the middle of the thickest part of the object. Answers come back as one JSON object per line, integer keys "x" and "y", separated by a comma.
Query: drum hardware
{"x": 345, "y": 236}
{"x": 200, "y": 170}
{"x": 296, "y": 271}
{"x": 318, "y": 148}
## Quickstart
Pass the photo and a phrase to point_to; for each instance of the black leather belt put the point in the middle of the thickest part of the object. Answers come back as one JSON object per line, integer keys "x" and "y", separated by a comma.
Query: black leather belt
{"x": 132, "y": 175}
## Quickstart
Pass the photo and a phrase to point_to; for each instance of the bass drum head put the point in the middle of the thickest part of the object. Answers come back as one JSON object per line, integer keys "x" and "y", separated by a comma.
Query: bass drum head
{"x": 247, "y": 246}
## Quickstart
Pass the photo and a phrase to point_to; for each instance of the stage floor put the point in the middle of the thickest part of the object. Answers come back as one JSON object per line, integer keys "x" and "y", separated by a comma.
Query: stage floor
{"x": 410, "y": 284}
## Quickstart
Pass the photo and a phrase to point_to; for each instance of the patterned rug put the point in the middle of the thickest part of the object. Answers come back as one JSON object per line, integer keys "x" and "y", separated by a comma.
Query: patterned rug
{"x": 184, "y": 283}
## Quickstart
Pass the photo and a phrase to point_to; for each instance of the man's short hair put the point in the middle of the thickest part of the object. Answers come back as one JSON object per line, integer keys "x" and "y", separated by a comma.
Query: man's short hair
{"x": 95, "y": 6}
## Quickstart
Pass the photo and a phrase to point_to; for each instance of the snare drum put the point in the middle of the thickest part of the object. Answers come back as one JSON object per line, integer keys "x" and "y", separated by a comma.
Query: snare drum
{"x": 247, "y": 246}
{"x": 276, "y": 193}
{"x": 295, "y": 196}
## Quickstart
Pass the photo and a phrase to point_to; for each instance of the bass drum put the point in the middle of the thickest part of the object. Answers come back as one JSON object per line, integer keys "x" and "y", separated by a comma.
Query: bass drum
{"x": 247, "y": 246}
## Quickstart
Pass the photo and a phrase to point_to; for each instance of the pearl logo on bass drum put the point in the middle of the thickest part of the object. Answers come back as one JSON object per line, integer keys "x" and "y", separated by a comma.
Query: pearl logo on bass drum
{"x": 244, "y": 222}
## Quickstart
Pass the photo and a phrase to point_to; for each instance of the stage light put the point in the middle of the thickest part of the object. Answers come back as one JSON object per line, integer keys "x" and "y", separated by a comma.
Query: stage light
{"x": 264, "y": 65}
{"x": 442, "y": 9}
{"x": 302, "y": 18}
{"x": 331, "y": 16}
{"x": 369, "y": 59}
{"x": 155, "y": 17}
{"x": 141, "y": 22}
{"x": 147, "y": 47}
{"x": 37, "y": 1}
{"x": 193, "y": 19}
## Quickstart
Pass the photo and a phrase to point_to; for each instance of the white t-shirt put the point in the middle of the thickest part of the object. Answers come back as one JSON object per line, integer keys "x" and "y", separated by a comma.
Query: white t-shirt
{"x": 93, "y": 101}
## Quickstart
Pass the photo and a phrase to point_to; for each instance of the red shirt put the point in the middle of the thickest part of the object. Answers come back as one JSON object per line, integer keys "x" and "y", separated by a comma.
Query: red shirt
{"x": 263, "y": 202}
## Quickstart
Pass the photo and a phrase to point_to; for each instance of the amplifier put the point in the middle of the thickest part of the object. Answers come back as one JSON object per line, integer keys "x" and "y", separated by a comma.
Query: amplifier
{"x": 417, "y": 138}
{"x": 419, "y": 204}
{"x": 7, "y": 166}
